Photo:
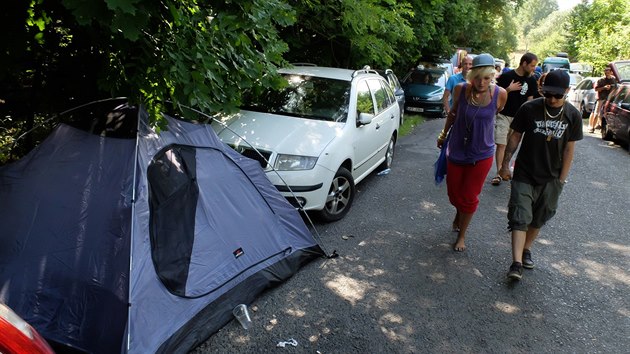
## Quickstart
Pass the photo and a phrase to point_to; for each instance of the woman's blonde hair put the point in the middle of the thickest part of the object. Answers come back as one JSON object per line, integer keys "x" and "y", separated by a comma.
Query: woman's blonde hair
{"x": 481, "y": 71}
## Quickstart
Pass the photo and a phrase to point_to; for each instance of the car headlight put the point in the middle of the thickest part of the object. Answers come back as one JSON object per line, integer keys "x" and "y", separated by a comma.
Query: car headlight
{"x": 294, "y": 162}
{"x": 436, "y": 97}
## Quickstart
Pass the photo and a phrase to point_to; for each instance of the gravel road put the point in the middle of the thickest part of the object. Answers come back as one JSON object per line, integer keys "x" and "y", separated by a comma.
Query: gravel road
{"x": 398, "y": 287}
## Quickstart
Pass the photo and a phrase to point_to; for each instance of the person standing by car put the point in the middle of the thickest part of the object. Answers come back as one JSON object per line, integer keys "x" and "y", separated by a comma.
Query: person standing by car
{"x": 521, "y": 87}
{"x": 471, "y": 145}
{"x": 603, "y": 87}
{"x": 549, "y": 128}
{"x": 447, "y": 98}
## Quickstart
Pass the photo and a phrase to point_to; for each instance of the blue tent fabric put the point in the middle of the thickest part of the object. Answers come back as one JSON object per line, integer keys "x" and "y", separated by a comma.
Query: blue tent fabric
{"x": 439, "y": 167}
{"x": 95, "y": 257}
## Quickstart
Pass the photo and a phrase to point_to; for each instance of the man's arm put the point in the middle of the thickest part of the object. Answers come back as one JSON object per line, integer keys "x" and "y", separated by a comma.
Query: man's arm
{"x": 447, "y": 108}
{"x": 510, "y": 149}
{"x": 567, "y": 160}
{"x": 450, "y": 118}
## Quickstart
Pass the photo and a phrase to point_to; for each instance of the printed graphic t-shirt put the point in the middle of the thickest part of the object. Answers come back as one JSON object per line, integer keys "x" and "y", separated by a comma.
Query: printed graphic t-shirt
{"x": 540, "y": 159}
{"x": 516, "y": 98}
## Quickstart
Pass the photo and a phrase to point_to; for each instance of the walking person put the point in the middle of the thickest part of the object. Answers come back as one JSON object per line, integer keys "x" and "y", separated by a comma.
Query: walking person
{"x": 603, "y": 87}
{"x": 521, "y": 87}
{"x": 447, "y": 98}
{"x": 548, "y": 128}
{"x": 470, "y": 148}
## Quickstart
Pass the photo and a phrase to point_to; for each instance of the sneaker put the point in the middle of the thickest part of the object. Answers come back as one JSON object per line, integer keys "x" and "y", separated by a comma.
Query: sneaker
{"x": 516, "y": 271}
{"x": 528, "y": 263}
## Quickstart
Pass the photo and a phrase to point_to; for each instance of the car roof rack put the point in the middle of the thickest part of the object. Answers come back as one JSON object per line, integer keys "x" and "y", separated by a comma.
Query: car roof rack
{"x": 366, "y": 70}
{"x": 303, "y": 64}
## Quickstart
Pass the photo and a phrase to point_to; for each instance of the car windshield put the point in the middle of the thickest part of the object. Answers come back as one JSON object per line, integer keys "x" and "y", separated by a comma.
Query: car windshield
{"x": 304, "y": 97}
{"x": 427, "y": 77}
{"x": 623, "y": 68}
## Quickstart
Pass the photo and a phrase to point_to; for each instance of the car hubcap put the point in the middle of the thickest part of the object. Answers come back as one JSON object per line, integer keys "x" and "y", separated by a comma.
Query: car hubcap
{"x": 390, "y": 153}
{"x": 338, "y": 196}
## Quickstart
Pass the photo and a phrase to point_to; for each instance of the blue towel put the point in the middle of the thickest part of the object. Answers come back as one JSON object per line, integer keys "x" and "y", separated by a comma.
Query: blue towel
{"x": 439, "y": 167}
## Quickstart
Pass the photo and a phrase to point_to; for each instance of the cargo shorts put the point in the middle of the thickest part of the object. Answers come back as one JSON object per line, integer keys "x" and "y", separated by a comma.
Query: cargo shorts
{"x": 531, "y": 205}
{"x": 502, "y": 128}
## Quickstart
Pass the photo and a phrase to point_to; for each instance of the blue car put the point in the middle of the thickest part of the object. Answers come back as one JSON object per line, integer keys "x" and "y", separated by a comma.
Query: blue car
{"x": 424, "y": 88}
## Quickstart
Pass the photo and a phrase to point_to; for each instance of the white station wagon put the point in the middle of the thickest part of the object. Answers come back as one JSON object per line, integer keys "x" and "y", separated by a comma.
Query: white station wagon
{"x": 325, "y": 131}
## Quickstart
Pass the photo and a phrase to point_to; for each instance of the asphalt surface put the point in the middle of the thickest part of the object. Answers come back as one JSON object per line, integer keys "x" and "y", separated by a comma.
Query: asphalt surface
{"x": 398, "y": 287}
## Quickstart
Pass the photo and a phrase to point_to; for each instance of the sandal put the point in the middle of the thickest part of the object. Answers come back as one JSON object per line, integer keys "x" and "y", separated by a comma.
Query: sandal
{"x": 496, "y": 180}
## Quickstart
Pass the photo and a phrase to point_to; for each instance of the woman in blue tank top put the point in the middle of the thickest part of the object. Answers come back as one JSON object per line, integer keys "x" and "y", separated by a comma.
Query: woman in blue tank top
{"x": 470, "y": 149}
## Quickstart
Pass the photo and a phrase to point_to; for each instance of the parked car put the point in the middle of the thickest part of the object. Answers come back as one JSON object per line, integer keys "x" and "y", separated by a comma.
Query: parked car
{"x": 17, "y": 336}
{"x": 616, "y": 114}
{"x": 325, "y": 131}
{"x": 553, "y": 63}
{"x": 424, "y": 88}
{"x": 574, "y": 79}
{"x": 396, "y": 87}
{"x": 583, "y": 95}
{"x": 621, "y": 70}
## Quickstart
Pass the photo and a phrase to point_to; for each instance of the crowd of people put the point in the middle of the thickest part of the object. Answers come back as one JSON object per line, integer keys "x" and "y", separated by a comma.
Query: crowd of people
{"x": 489, "y": 117}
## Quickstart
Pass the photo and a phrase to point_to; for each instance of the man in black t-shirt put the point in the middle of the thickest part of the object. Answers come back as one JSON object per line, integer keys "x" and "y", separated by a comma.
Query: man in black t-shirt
{"x": 521, "y": 87}
{"x": 603, "y": 87}
{"x": 549, "y": 128}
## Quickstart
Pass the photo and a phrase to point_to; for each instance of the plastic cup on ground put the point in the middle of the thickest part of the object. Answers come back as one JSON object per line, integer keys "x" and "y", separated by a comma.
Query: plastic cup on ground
{"x": 242, "y": 315}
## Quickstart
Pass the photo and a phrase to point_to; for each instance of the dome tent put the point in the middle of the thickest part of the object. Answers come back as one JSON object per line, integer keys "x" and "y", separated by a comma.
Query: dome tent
{"x": 118, "y": 238}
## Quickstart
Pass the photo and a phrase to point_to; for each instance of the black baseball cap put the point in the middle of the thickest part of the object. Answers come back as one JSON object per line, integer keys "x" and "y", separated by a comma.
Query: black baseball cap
{"x": 556, "y": 82}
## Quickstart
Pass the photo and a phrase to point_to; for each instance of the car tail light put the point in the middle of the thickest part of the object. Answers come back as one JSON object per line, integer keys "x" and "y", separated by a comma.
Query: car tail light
{"x": 17, "y": 336}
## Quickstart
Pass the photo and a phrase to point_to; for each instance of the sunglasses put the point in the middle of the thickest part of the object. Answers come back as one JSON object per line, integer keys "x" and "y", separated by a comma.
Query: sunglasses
{"x": 557, "y": 96}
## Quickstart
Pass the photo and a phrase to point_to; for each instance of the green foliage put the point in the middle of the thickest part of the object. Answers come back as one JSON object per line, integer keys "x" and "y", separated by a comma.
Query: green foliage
{"x": 411, "y": 121}
{"x": 549, "y": 37}
{"x": 531, "y": 14}
{"x": 600, "y": 31}
{"x": 63, "y": 53}
{"x": 348, "y": 33}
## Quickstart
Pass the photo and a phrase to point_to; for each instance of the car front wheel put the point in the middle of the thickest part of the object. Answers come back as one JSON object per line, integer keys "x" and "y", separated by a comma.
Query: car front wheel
{"x": 340, "y": 196}
{"x": 606, "y": 134}
{"x": 583, "y": 110}
{"x": 389, "y": 154}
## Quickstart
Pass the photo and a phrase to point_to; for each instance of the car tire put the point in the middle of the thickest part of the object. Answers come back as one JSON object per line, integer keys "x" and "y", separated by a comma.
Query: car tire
{"x": 389, "y": 154}
{"x": 340, "y": 196}
{"x": 583, "y": 111}
{"x": 607, "y": 135}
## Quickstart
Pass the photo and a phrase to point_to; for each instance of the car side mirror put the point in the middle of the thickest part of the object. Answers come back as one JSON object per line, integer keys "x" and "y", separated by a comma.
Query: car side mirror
{"x": 364, "y": 119}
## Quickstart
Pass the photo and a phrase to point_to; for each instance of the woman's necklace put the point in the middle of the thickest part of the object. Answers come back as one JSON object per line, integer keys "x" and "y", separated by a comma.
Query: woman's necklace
{"x": 474, "y": 101}
{"x": 469, "y": 124}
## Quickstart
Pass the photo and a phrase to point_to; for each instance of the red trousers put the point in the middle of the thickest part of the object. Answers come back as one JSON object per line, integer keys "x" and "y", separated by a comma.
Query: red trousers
{"x": 464, "y": 183}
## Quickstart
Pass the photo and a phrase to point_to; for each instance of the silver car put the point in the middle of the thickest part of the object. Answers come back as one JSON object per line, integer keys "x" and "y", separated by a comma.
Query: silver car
{"x": 583, "y": 95}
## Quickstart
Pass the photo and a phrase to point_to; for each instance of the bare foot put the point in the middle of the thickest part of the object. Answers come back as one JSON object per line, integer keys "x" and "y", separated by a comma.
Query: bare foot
{"x": 455, "y": 226}
{"x": 459, "y": 245}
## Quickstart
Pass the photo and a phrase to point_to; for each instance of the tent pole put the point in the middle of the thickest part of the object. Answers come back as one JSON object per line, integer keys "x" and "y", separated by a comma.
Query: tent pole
{"x": 131, "y": 233}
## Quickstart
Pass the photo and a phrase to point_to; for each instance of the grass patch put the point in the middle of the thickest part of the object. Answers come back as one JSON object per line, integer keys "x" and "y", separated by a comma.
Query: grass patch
{"x": 411, "y": 121}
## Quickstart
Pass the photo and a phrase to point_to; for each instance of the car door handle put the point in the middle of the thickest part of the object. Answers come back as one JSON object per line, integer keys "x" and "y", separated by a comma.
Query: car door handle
{"x": 391, "y": 117}
{"x": 377, "y": 126}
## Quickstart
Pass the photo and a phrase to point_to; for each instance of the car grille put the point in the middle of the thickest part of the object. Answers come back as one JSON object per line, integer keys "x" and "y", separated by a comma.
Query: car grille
{"x": 252, "y": 154}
